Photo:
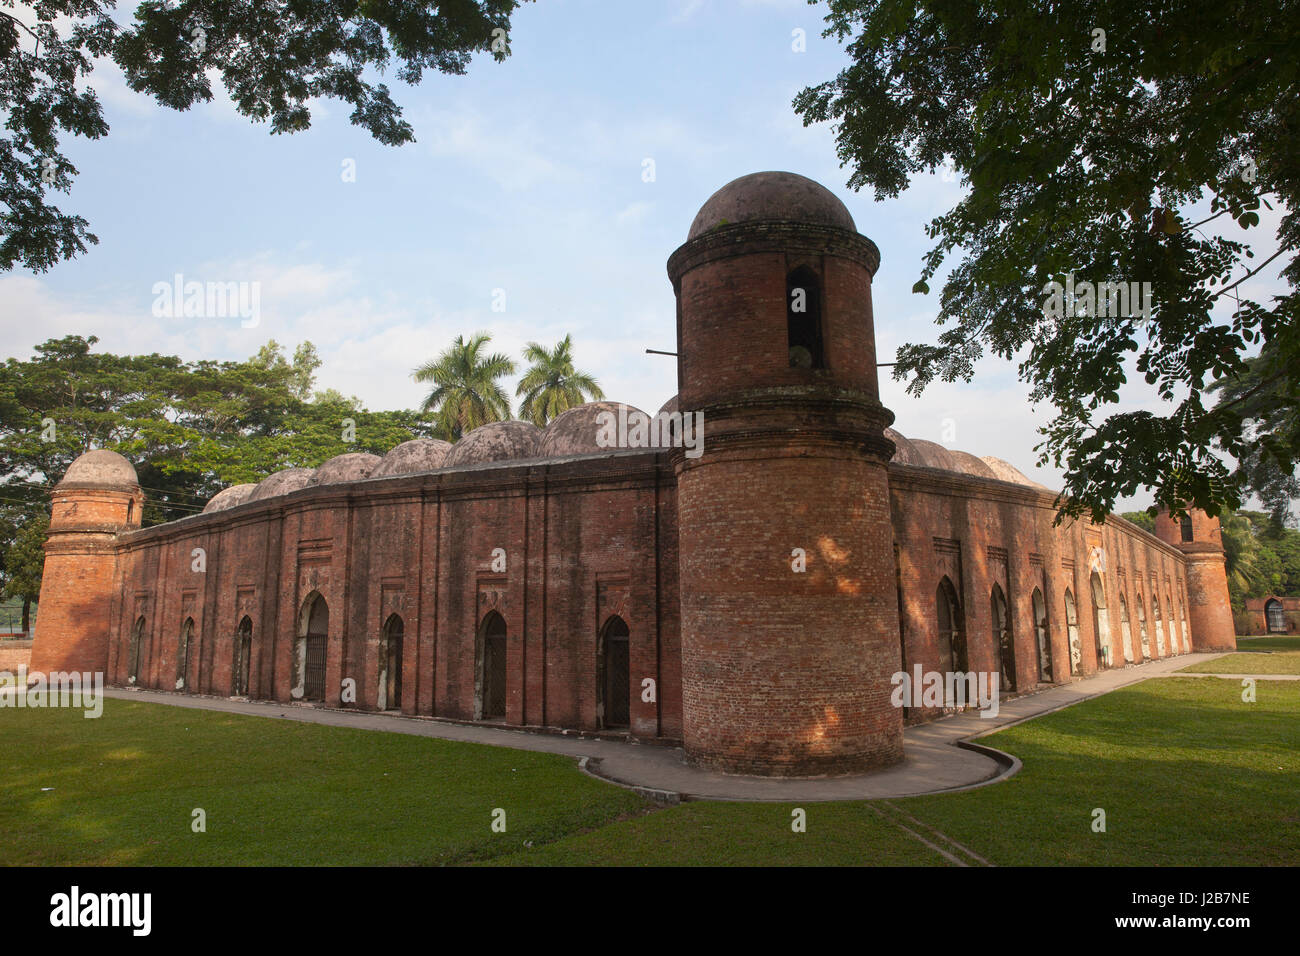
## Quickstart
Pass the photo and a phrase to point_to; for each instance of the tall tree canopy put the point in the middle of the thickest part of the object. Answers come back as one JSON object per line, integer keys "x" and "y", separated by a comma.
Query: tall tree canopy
{"x": 466, "y": 392}
{"x": 552, "y": 385}
{"x": 273, "y": 58}
{"x": 1083, "y": 134}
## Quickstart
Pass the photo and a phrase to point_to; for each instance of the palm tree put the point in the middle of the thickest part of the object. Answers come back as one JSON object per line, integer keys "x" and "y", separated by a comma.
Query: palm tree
{"x": 466, "y": 393}
{"x": 552, "y": 385}
{"x": 1241, "y": 553}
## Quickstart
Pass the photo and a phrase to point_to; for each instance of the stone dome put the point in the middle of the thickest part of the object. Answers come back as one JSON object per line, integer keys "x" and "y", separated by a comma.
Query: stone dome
{"x": 575, "y": 431}
{"x": 419, "y": 454}
{"x": 933, "y": 455}
{"x": 101, "y": 469}
{"x": 904, "y": 453}
{"x": 496, "y": 441}
{"x": 968, "y": 464}
{"x": 350, "y": 467}
{"x": 771, "y": 195}
{"x": 281, "y": 483}
{"x": 230, "y": 497}
{"x": 1006, "y": 471}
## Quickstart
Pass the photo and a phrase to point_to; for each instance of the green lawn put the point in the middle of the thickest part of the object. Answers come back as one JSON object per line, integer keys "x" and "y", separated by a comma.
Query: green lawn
{"x": 1186, "y": 772}
{"x": 1256, "y": 655}
{"x": 275, "y": 792}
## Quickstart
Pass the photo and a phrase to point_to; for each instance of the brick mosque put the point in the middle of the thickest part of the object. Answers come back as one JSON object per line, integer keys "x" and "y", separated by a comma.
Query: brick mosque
{"x": 751, "y": 601}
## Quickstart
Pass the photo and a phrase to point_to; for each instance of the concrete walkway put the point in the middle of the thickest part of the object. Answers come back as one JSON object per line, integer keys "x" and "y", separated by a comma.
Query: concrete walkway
{"x": 940, "y": 756}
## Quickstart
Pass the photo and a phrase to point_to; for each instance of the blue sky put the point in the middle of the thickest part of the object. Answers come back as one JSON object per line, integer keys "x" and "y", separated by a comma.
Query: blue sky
{"x": 526, "y": 176}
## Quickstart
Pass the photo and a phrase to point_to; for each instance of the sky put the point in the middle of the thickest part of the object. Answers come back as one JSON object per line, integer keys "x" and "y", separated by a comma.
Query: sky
{"x": 525, "y": 190}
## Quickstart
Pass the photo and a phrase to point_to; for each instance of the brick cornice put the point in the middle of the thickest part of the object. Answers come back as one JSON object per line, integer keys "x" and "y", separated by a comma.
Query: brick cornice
{"x": 772, "y": 235}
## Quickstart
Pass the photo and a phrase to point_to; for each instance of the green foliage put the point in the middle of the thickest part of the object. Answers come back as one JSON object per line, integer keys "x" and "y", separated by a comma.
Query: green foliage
{"x": 1084, "y": 161}
{"x": 190, "y": 429}
{"x": 552, "y": 385}
{"x": 1263, "y": 557}
{"x": 273, "y": 59}
{"x": 1142, "y": 519}
{"x": 466, "y": 393}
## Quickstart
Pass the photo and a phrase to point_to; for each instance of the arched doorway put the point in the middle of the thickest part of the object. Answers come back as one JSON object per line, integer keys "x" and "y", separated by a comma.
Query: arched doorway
{"x": 390, "y": 664}
{"x": 1156, "y": 622}
{"x": 1125, "y": 629}
{"x": 1042, "y": 638}
{"x": 1072, "y": 631}
{"x": 613, "y": 708}
{"x": 133, "y": 652}
{"x": 952, "y": 629}
{"x": 1002, "y": 639}
{"x": 490, "y": 682}
{"x": 243, "y": 658}
{"x": 1100, "y": 621}
{"x": 183, "y": 653}
{"x": 1274, "y": 616}
{"x": 1142, "y": 628}
{"x": 310, "y": 649}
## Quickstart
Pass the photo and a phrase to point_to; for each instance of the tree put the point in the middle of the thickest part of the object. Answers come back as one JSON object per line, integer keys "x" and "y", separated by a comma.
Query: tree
{"x": 1242, "y": 560}
{"x": 552, "y": 385}
{"x": 1142, "y": 519}
{"x": 466, "y": 393}
{"x": 23, "y": 563}
{"x": 273, "y": 58}
{"x": 1266, "y": 403}
{"x": 1082, "y": 133}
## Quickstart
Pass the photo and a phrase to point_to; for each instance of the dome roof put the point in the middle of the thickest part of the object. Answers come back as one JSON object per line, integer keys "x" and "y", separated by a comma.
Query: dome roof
{"x": 968, "y": 464}
{"x": 496, "y": 441}
{"x": 1006, "y": 471}
{"x": 350, "y": 467}
{"x": 230, "y": 497}
{"x": 576, "y": 431}
{"x": 281, "y": 483}
{"x": 101, "y": 469}
{"x": 904, "y": 453}
{"x": 771, "y": 195}
{"x": 420, "y": 454}
{"x": 933, "y": 455}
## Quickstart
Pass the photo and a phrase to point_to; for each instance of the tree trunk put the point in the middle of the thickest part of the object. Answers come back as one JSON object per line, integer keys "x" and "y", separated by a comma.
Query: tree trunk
{"x": 27, "y": 614}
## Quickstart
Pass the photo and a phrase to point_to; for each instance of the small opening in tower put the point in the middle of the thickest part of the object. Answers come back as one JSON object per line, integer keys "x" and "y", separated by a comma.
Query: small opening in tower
{"x": 1185, "y": 524}
{"x": 803, "y": 314}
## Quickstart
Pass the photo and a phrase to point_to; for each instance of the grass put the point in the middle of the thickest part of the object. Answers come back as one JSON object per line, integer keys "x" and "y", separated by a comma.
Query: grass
{"x": 1256, "y": 655}
{"x": 275, "y": 792}
{"x": 1185, "y": 771}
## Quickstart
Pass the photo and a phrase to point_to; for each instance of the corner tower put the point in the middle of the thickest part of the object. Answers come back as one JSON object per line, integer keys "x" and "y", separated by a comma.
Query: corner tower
{"x": 1209, "y": 609}
{"x": 98, "y": 498}
{"x": 788, "y": 608}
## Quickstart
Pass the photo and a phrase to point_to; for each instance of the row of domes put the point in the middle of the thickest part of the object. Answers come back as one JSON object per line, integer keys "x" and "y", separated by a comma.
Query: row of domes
{"x": 572, "y": 433}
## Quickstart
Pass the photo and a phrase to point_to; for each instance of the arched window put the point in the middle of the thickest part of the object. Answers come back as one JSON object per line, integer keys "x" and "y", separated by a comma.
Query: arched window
{"x": 952, "y": 629}
{"x": 1142, "y": 628}
{"x": 183, "y": 653}
{"x": 490, "y": 680}
{"x": 1185, "y": 527}
{"x": 613, "y": 667}
{"x": 390, "y": 664}
{"x": 1043, "y": 638}
{"x": 1182, "y": 614}
{"x": 310, "y": 649}
{"x": 241, "y": 658}
{"x": 1002, "y": 641}
{"x": 1275, "y": 616}
{"x": 803, "y": 314}
{"x": 134, "y": 651}
{"x": 1173, "y": 625}
{"x": 1126, "y": 630}
{"x": 1100, "y": 621}
{"x": 1156, "y": 624}
{"x": 1072, "y": 631}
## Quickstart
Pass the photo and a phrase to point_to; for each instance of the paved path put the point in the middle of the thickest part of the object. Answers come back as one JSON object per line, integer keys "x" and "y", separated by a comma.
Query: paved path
{"x": 940, "y": 755}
